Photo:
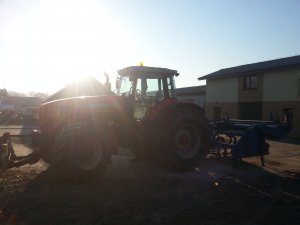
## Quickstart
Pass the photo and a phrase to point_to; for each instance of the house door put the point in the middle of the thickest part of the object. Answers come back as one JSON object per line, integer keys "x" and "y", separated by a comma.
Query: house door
{"x": 251, "y": 111}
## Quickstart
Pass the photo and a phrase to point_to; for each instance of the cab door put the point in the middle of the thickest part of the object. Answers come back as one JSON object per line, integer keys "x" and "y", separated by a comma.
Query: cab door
{"x": 149, "y": 92}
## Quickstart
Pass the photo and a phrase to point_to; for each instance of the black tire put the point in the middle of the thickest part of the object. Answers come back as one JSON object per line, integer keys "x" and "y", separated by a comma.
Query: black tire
{"x": 4, "y": 156}
{"x": 78, "y": 152}
{"x": 6, "y": 152}
{"x": 45, "y": 144}
{"x": 182, "y": 141}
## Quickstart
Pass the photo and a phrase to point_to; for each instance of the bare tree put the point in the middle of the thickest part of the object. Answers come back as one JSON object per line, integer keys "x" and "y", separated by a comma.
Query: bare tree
{"x": 15, "y": 93}
{"x": 3, "y": 94}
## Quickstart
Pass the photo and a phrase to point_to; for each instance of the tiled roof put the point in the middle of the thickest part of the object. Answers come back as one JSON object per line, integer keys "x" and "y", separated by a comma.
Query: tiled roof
{"x": 282, "y": 63}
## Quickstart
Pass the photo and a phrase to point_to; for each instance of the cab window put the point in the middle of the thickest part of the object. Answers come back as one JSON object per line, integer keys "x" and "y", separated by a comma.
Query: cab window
{"x": 150, "y": 88}
{"x": 125, "y": 86}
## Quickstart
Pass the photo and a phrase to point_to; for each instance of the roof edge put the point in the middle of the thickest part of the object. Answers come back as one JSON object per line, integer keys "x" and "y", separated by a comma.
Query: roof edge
{"x": 281, "y": 63}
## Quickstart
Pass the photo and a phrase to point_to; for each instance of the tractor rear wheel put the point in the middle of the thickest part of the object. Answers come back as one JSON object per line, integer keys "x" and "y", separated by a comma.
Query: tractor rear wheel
{"x": 79, "y": 152}
{"x": 182, "y": 141}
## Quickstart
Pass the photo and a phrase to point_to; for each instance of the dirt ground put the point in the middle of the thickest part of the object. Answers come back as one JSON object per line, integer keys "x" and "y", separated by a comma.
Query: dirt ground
{"x": 138, "y": 193}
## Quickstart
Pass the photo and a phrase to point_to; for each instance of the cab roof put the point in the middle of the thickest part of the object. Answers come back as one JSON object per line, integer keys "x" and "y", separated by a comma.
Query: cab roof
{"x": 146, "y": 71}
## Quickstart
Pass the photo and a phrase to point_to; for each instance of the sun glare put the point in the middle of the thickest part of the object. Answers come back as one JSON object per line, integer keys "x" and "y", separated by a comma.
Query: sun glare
{"x": 62, "y": 41}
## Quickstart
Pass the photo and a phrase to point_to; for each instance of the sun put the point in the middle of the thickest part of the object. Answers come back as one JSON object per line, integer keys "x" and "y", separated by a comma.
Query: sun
{"x": 82, "y": 38}
{"x": 63, "y": 41}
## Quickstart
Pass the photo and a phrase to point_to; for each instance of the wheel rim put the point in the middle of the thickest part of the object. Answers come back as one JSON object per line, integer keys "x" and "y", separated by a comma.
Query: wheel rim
{"x": 187, "y": 141}
{"x": 88, "y": 155}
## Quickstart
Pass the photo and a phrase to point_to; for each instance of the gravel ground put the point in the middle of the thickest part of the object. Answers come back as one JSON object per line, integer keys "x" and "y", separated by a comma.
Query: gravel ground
{"x": 137, "y": 193}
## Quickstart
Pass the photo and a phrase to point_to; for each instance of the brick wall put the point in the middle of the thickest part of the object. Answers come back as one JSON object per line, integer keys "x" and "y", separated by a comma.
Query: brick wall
{"x": 231, "y": 108}
{"x": 278, "y": 107}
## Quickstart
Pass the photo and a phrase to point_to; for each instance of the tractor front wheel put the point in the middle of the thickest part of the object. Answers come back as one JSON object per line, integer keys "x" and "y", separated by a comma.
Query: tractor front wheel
{"x": 79, "y": 152}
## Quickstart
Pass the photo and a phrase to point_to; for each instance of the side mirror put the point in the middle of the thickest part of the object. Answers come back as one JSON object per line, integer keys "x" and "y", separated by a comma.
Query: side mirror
{"x": 117, "y": 83}
{"x": 107, "y": 84}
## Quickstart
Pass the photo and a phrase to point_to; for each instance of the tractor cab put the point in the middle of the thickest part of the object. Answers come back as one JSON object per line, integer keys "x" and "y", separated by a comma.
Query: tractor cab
{"x": 146, "y": 87}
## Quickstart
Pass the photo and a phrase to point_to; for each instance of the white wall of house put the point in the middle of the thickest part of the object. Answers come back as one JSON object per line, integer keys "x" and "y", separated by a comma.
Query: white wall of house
{"x": 222, "y": 90}
{"x": 281, "y": 86}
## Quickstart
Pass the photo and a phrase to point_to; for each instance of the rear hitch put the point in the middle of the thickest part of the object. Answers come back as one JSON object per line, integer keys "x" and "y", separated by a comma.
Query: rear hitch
{"x": 8, "y": 157}
{"x": 246, "y": 138}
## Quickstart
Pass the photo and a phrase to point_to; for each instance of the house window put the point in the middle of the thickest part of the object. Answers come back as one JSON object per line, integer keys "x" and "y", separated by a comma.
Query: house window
{"x": 250, "y": 83}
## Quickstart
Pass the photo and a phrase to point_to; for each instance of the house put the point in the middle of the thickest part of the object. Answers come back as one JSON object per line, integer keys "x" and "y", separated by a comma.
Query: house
{"x": 194, "y": 95}
{"x": 20, "y": 103}
{"x": 88, "y": 86}
{"x": 26, "y": 106}
{"x": 252, "y": 91}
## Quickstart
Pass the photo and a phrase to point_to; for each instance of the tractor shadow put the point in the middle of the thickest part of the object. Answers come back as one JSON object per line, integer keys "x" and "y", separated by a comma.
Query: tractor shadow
{"x": 214, "y": 193}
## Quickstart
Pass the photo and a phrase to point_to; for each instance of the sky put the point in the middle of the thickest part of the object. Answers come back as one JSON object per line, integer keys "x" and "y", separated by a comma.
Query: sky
{"x": 44, "y": 45}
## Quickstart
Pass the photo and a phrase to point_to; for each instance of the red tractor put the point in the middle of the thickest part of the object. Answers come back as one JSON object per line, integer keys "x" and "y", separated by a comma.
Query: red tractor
{"x": 79, "y": 134}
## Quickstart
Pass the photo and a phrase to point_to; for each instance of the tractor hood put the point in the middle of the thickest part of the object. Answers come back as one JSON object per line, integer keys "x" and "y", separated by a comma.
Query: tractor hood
{"x": 95, "y": 109}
